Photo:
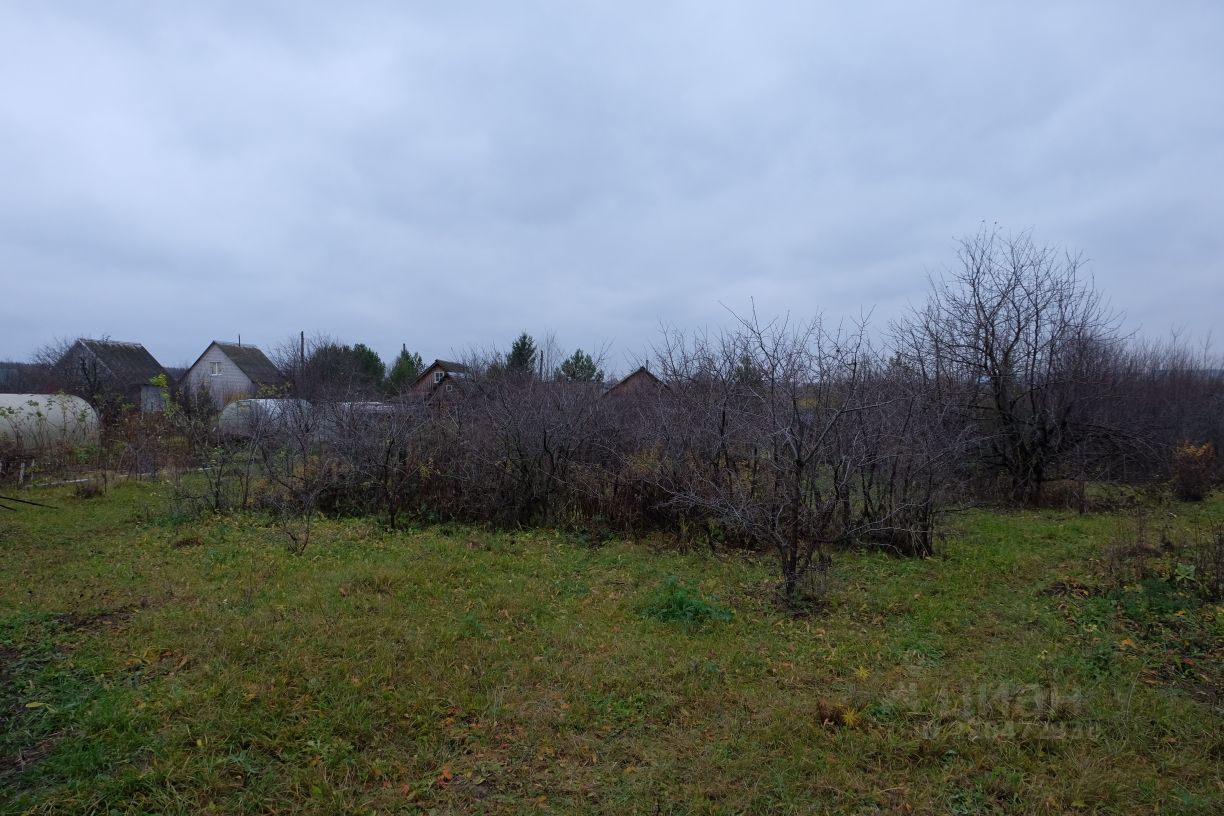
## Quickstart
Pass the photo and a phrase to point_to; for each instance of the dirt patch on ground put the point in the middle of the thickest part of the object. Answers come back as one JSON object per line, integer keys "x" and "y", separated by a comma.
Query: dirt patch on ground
{"x": 102, "y": 619}
{"x": 27, "y": 756}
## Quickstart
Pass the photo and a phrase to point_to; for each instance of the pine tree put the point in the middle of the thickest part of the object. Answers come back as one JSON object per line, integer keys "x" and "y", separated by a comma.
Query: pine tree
{"x": 580, "y": 367}
{"x": 370, "y": 368}
{"x": 522, "y": 356}
{"x": 407, "y": 367}
{"x": 341, "y": 367}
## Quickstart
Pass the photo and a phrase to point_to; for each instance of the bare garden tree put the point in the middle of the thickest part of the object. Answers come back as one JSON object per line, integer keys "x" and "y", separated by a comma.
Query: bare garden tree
{"x": 379, "y": 450}
{"x": 909, "y": 446}
{"x": 296, "y": 466}
{"x": 750, "y": 437}
{"x": 1023, "y": 344}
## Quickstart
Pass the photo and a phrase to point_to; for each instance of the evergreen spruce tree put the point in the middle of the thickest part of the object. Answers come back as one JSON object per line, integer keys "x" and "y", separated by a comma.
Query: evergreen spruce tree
{"x": 522, "y": 356}
{"x": 580, "y": 367}
{"x": 407, "y": 367}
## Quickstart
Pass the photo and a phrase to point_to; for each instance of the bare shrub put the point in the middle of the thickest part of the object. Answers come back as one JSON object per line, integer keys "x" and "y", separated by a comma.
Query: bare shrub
{"x": 296, "y": 468}
{"x": 771, "y": 432}
{"x": 1193, "y": 471}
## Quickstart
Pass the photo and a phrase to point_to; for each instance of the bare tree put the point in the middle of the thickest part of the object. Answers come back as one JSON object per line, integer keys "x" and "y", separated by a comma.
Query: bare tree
{"x": 1174, "y": 397}
{"x": 80, "y": 375}
{"x": 525, "y": 435}
{"x": 224, "y": 459}
{"x": 751, "y": 437}
{"x": 1025, "y": 346}
{"x": 297, "y": 467}
{"x": 909, "y": 447}
{"x": 379, "y": 451}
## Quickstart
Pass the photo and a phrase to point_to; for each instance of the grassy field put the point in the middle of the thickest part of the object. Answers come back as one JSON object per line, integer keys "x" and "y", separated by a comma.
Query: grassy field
{"x": 159, "y": 665}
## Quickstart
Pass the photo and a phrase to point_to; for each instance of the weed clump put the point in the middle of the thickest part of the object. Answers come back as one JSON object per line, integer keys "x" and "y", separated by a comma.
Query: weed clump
{"x": 681, "y": 602}
{"x": 1193, "y": 471}
{"x": 1189, "y": 563}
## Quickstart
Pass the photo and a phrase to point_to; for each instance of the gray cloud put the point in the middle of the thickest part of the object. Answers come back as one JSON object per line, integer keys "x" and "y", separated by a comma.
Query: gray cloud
{"x": 444, "y": 175}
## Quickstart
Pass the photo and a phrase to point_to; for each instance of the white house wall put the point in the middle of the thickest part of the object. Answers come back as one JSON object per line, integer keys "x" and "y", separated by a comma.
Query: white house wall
{"x": 230, "y": 384}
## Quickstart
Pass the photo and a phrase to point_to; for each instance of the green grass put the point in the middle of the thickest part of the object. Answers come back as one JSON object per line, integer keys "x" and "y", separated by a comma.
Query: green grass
{"x": 161, "y": 665}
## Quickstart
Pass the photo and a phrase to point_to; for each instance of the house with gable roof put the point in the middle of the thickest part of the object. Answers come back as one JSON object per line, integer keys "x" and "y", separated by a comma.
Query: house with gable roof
{"x": 111, "y": 373}
{"x": 439, "y": 375}
{"x": 230, "y": 371}
{"x": 640, "y": 381}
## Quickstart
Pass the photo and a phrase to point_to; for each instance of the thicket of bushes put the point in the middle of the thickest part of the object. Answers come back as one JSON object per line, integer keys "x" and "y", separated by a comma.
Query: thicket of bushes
{"x": 1013, "y": 383}
{"x": 768, "y": 437}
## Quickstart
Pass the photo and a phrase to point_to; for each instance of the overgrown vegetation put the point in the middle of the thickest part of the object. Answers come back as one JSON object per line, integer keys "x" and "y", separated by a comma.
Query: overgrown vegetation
{"x": 170, "y": 664}
{"x": 490, "y": 618}
{"x": 1013, "y": 384}
{"x": 1193, "y": 471}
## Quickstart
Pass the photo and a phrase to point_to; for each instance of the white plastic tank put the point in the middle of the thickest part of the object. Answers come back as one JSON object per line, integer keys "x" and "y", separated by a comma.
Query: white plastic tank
{"x": 38, "y": 423}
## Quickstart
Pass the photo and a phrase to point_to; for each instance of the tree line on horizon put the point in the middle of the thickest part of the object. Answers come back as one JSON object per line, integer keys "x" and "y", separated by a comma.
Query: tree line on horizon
{"x": 330, "y": 366}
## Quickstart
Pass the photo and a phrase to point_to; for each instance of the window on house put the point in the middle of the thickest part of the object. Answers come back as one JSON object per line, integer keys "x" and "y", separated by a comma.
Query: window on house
{"x": 214, "y": 369}
{"x": 438, "y": 375}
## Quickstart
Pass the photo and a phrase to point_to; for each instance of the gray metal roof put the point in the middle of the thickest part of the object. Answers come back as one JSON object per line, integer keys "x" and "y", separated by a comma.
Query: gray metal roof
{"x": 253, "y": 363}
{"x": 129, "y": 363}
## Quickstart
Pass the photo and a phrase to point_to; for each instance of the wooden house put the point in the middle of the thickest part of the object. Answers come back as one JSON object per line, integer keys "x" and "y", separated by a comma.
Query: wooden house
{"x": 230, "y": 371}
{"x": 639, "y": 382}
{"x": 439, "y": 375}
{"x": 109, "y": 374}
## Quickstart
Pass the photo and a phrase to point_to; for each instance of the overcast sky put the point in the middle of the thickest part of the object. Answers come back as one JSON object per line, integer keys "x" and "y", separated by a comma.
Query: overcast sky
{"x": 446, "y": 174}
